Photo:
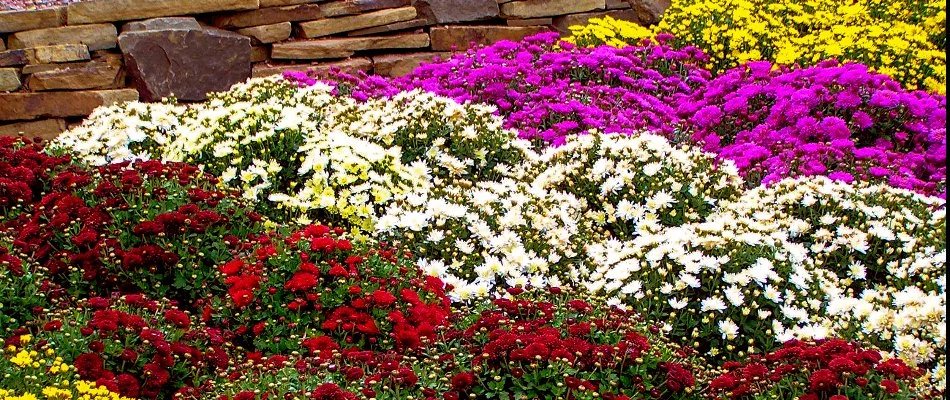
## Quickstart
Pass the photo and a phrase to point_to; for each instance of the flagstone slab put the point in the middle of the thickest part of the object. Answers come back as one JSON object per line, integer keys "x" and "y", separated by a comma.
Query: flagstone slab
{"x": 93, "y": 11}
{"x": 27, "y": 106}
{"x": 345, "y": 47}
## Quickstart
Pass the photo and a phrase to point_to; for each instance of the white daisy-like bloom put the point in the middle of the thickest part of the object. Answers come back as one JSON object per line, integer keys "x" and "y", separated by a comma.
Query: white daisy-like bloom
{"x": 677, "y": 304}
{"x": 652, "y": 169}
{"x": 734, "y": 296}
{"x": 762, "y": 271}
{"x": 713, "y": 304}
{"x": 689, "y": 280}
{"x": 626, "y": 210}
{"x": 728, "y": 329}
{"x": 857, "y": 271}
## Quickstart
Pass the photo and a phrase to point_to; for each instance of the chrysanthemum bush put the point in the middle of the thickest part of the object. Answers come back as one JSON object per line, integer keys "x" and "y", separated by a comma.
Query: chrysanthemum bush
{"x": 881, "y": 254}
{"x": 26, "y": 172}
{"x": 144, "y": 226}
{"x": 806, "y": 258}
{"x": 724, "y": 290}
{"x": 130, "y": 346}
{"x": 562, "y": 345}
{"x": 315, "y": 288}
{"x": 25, "y": 292}
{"x": 904, "y": 39}
{"x": 492, "y": 234}
{"x": 638, "y": 183}
{"x": 125, "y": 132}
{"x": 536, "y": 344}
{"x": 456, "y": 142}
{"x": 835, "y": 120}
{"x": 32, "y": 370}
{"x": 306, "y": 153}
{"x": 266, "y": 138}
{"x": 549, "y": 92}
{"x": 829, "y": 369}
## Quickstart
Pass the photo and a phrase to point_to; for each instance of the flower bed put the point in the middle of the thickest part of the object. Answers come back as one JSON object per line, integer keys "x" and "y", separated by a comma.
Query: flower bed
{"x": 762, "y": 232}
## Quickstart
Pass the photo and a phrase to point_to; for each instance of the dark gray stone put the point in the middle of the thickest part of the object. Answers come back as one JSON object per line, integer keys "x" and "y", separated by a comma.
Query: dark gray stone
{"x": 14, "y": 57}
{"x": 452, "y": 11}
{"x": 172, "y": 60}
{"x": 649, "y": 12}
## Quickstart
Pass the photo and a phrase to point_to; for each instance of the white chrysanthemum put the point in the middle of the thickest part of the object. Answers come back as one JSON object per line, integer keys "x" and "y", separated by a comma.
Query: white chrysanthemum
{"x": 734, "y": 296}
{"x": 728, "y": 329}
{"x": 713, "y": 304}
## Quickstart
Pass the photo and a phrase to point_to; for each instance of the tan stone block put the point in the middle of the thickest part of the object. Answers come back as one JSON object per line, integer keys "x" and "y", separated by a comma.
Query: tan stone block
{"x": 530, "y": 22}
{"x": 58, "y": 53}
{"x": 268, "y": 33}
{"x": 107, "y": 58}
{"x": 25, "y": 106}
{"x": 331, "y": 26}
{"x": 303, "y": 50}
{"x": 268, "y": 16}
{"x": 345, "y": 47}
{"x": 281, "y": 3}
{"x": 396, "y": 65}
{"x": 44, "y": 55}
{"x": 460, "y": 37}
{"x": 96, "y": 37}
{"x": 92, "y": 11}
{"x": 15, "y": 21}
{"x": 549, "y": 8}
{"x": 3, "y": 45}
{"x": 338, "y": 8}
{"x": 399, "y": 26}
{"x": 90, "y": 76}
{"x": 350, "y": 65}
{"x": 9, "y": 79}
{"x": 350, "y": 7}
{"x": 34, "y": 68}
{"x": 46, "y": 129}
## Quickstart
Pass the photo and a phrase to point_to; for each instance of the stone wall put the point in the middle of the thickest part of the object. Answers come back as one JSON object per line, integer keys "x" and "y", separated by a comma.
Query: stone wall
{"x": 58, "y": 64}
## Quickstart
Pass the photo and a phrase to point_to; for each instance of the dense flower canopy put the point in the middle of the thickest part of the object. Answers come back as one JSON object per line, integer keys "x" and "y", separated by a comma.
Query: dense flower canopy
{"x": 541, "y": 219}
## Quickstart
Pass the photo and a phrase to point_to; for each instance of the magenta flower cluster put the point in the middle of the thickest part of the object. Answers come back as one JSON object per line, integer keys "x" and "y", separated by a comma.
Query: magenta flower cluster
{"x": 836, "y": 120}
{"x": 841, "y": 121}
{"x": 548, "y": 93}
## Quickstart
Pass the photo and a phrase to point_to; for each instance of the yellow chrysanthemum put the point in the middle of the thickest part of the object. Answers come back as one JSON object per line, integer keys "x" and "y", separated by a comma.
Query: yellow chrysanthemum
{"x": 904, "y": 39}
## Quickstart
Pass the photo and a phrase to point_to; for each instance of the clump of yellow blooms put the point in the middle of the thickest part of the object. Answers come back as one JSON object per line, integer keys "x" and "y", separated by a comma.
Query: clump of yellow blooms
{"x": 78, "y": 390}
{"x": 38, "y": 374}
{"x": 905, "y": 39}
{"x": 613, "y": 32}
